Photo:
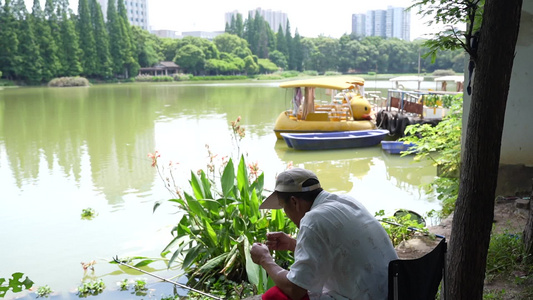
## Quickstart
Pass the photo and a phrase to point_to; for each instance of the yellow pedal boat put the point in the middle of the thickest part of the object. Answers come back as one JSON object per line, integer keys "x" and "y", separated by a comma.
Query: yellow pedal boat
{"x": 346, "y": 110}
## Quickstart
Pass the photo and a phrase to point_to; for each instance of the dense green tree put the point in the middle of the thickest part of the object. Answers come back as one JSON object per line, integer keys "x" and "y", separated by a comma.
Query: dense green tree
{"x": 297, "y": 52}
{"x": 250, "y": 65}
{"x": 239, "y": 26}
{"x": 209, "y": 49}
{"x": 190, "y": 58}
{"x": 31, "y": 62}
{"x": 70, "y": 46}
{"x": 51, "y": 9}
{"x": 168, "y": 48}
{"x": 290, "y": 48}
{"x": 326, "y": 54}
{"x": 281, "y": 42}
{"x": 117, "y": 48}
{"x": 279, "y": 59}
{"x": 266, "y": 66}
{"x": 87, "y": 42}
{"x": 229, "y": 42}
{"x": 149, "y": 52}
{"x": 9, "y": 58}
{"x": 101, "y": 39}
{"x": 47, "y": 45}
{"x": 130, "y": 52}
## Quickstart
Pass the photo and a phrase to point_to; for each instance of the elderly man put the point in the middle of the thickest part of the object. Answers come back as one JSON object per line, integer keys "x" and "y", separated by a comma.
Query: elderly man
{"x": 341, "y": 251}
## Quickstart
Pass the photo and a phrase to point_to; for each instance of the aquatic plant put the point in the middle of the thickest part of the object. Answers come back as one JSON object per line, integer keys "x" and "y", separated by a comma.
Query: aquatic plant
{"x": 15, "y": 284}
{"x": 222, "y": 219}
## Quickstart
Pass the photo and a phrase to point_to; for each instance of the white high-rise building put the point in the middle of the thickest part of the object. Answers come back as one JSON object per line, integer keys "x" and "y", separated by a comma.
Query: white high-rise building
{"x": 359, "y": 24}
{"x": 137, "y": 11}
{"x": 393, "y": 22}
{"x": 273, "y": 18}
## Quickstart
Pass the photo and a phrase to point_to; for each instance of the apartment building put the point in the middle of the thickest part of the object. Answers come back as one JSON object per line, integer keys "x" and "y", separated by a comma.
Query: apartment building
{"x": 137, "y": 11}
{"x": 273, "y": 18}
{"x": 392, "y": 22}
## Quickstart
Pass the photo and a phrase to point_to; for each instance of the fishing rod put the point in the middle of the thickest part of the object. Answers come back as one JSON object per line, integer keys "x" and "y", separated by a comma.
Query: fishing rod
{"x": 408, "y": 227}
{"x": 118, "y": 261}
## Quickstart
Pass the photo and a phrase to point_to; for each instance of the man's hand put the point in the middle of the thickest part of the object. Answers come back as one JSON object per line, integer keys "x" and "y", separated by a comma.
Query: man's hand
{"x": 260, "y": 253}
{"x": 280, "y": 241}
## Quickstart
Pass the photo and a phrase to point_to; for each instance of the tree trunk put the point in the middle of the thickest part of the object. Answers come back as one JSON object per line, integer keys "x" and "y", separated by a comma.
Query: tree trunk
{"x": 474, "y": 211}
{"x": 528, "y": 232}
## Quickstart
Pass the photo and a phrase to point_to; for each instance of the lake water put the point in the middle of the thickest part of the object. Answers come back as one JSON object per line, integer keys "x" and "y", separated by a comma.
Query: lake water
{"x": 66, "y": 149}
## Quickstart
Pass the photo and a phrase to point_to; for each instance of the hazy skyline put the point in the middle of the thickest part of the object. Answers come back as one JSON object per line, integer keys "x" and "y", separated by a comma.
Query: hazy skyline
{"x": 332, "y": 19}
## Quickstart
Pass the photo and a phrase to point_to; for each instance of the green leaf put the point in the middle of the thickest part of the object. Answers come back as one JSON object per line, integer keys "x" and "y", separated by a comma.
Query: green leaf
{"x": 210, "y": 264}
{"x": 192, "y": 255}
{"x": 206, "y": 186}
{"x": 242, "y": 175}
{"x": 238, "y": 225}
{"x": 256, "y": 274}
{"x": 197, "y": 187}
{"x": 156, "y": 205}
{"x": 143, "y": 263}
{"x": 195, "y": 207}
{"x": 228, "y": 180}
{"x": 211, "y": 233}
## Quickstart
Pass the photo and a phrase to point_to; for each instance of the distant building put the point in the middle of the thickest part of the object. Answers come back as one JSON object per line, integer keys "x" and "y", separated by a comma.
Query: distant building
{"x": 163, "y": 68}
{"x": 210, "y": 35}
{"x": 137, "y": 11}
{"x": 359, "y": 24}
{"x": 164, "y": 33}
{"x": 393, "y": 22}
{"x": 229, "y": 15}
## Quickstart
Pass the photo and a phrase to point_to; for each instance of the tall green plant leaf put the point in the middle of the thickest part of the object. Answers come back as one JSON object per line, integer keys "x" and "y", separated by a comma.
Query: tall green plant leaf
{"x": 228, "y": 180}
{"x": 256, "y": 274}
{"x": 197, "y": 187}
{"x": 242, "y": 175}
{"x": 195, "y": 207}
{"x": 192, "y": 255}
{"x": 212, "y": 263}
{"x": 211, "y": 233}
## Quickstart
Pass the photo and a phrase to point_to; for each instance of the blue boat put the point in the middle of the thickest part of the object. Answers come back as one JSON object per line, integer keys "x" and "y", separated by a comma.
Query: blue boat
{"x": 334, "y": 140}
{"x": 396, "y": 147}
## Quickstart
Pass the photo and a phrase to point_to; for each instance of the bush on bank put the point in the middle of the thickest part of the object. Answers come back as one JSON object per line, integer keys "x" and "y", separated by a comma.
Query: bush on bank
{"x": 68, "y": 82}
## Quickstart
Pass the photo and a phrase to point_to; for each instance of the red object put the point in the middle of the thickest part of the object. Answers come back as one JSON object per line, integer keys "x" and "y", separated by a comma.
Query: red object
{"x": 274, "y": 293}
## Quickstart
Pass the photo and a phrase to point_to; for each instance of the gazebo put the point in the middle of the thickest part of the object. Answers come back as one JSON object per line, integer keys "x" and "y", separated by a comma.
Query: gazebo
{"x": 164, "y": 68}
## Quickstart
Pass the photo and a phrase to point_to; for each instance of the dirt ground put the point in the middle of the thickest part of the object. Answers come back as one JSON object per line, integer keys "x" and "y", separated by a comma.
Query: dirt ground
{"x": 510, "y": 216}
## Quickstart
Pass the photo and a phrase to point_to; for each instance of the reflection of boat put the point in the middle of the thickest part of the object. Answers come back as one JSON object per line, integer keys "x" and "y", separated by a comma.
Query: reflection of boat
{"x": 334, "y": 140}
{"x": 396, "y": 147}
{"x": 347, "y": 110}
{"x": 335, "y": 167}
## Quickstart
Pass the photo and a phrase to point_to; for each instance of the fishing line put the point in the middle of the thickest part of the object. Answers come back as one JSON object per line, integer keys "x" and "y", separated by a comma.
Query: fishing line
{"x": 118, "y": 261}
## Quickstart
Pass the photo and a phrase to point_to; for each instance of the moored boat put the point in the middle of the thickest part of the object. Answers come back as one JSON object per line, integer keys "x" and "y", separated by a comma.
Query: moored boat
{"x": 334, "y": 140}
{"x": 396, "y": 147}
{"x": 346, "y": 110}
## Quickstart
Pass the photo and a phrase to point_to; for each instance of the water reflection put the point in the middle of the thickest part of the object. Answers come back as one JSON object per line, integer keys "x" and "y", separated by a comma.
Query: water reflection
{"x": 68, "y": 126}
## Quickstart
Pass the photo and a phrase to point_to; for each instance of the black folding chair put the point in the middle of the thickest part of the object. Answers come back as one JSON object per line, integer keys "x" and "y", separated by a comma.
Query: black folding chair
{"x": 418, "y": 279}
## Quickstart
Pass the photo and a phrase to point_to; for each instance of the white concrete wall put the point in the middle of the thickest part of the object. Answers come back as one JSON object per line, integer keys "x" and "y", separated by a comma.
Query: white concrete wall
{"x": 517, "y": 139}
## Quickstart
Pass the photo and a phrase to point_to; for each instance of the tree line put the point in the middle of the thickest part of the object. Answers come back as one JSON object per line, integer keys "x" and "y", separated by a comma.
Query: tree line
{"x": 55, "y": 42}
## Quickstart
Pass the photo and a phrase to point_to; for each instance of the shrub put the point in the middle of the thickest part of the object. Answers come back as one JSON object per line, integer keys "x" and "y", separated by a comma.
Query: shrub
{"x": 438, "y": 73}
{"x": 68, "y": 82}
{"x": 182, "y": 77}
{"x": 332, "y": 73}
{"x": 143, "y": 78}
{"x": 442, "y": 145}
{"x": 311, "y": 73}
{"x": 162, "y": 78}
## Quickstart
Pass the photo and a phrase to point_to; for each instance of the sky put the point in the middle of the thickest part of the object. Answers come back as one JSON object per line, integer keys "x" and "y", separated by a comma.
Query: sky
{"x": 330, "y": 18}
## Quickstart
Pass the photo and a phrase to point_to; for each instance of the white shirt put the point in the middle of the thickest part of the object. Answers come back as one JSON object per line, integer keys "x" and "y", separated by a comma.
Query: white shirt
{"x": 342, "y": 251}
